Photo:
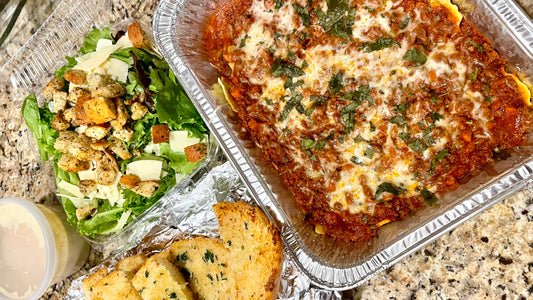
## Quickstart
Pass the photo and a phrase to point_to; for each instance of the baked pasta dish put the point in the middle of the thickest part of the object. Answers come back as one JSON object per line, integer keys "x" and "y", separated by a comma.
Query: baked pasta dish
{"x": 367, "y": 109}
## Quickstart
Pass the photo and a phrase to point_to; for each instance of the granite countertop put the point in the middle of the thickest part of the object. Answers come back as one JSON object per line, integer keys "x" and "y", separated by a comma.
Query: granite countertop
{"x": 487, "y": 257}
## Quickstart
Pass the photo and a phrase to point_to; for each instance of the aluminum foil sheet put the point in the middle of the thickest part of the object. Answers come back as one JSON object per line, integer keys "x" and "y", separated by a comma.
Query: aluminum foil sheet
{"x": 178, "y": 31}
{"x": 189, "y": 212}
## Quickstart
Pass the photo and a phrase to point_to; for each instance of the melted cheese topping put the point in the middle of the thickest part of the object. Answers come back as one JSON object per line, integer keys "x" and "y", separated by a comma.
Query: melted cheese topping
{"x": 364, "y": 159}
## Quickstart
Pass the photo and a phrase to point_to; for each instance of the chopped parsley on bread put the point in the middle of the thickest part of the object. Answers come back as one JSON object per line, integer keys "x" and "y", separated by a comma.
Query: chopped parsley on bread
{"x": 245, "y": 263}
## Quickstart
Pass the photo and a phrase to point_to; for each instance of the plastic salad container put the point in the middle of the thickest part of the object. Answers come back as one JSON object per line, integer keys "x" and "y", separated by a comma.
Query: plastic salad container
{"x": 33, "y": 66}
{"x": 178, "y": 31}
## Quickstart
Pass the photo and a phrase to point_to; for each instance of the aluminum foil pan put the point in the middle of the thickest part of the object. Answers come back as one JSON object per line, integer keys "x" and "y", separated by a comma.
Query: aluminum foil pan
{"x": 32, "y": 67}
{"x": 178, "y": 31}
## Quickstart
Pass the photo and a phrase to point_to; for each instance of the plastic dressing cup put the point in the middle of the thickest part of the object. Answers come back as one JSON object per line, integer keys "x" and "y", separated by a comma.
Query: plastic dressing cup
{"x": 37, "y": 248}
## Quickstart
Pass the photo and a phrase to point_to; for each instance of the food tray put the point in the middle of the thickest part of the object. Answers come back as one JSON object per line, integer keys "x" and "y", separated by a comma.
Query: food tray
{"x": 32, "y": 67}
{"x": 178, "y": 31}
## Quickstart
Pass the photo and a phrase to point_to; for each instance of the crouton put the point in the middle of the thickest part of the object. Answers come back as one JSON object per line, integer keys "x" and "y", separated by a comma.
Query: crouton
{"x": 59, "y": 123}
{"x": 158, "y": 278}
{"x": 138, "y": 111}
{"x": 122, "y": 114}
{"x": 69, "y": 115}
{"x": 206, "y": 262}
{"x": 98, "y": 110}
{"x": 145, "y": 188}
{"x": 106, "y": 168}
{"x": 75, "y": 76}
{"x": 100, "y": 145}
{"x": 88, "y": 284}
{"x": 56, "y": 84}
{"x": 116, "y": 286}
{"x": 85, "y": 211}
{"x": 255, "y": 248}
{"x": 131, "y": 264}
{"x": 64, "y": 140}
{"x": 74, "y": 144}
{"x": 87, "y": 186}
{"x": 96, "y": 80}
{"x": 75, "y": 94}
{"x": 196, "y": 152}
{"x": 69, "y": 163}
{"x": 81, "y": 116}
{"x": 97, "y": 132}
{"x": 129, "y": 181}
{"x": 160, "y": 133}
{"x": 112, "y": 90}
{"x": 135, "y": 34}
{"x": 120, "y": 149}
{"x": 60, "y": 100}
{"x": 125, "y": 134}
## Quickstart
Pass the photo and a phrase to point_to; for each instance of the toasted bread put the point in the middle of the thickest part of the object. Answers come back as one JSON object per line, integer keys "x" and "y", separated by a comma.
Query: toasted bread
{"x": 205, "y": 264}
{"x": 116, "y": 286}
{"x": 131, "y": 264}
{"x": 255, "y": 248}
{"x": 158, "y": 278}
{"x": 88, "y": 284}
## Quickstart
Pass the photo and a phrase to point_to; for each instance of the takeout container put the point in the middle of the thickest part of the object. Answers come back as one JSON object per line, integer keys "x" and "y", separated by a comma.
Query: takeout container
{"x": 32, "y": 67}
{"x": 178, "y": 32}
{"x": 37, "y": 248}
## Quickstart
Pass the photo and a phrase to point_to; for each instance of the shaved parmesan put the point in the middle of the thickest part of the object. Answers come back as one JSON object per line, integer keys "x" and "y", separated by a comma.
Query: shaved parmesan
{"x": 146, "y": 169}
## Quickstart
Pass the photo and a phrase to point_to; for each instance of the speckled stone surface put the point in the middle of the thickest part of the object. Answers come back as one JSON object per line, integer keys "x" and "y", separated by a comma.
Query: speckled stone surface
{"x": 488, "y": 257}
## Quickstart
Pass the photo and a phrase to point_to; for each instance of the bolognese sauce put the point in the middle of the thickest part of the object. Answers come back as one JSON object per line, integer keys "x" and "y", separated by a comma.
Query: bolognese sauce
{"x": 367, "y": 109}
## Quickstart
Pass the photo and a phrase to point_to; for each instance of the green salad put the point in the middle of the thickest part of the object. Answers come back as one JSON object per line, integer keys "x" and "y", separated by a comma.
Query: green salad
{"x": 118, "y": 128}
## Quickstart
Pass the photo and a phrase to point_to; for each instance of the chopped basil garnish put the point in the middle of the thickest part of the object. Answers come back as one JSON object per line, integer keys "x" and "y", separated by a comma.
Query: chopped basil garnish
{"x": 429, "y": 197}
{"x": 348, "y": 112}
{"x": 399, "y": 120}
{"x": 318, "y": 100}
{"x": 435, "y": 116}
{"x": 308, "y": 143}
{"x": 243, "y": 41}
{"x": 335, "y": 84}
{"x": 478, "y": 46}
{"x": 380, "y": 44}
{"x": 416, "y": 56}
{"x": 358, "y": 139}
{"x": 442, "y": 154}
{"x": 292, "y": 85}
{"x": 339, "y": 19}
{"x": 473, "y": 76}
{"x": 320, "y": 145}
{"x": 289, "y": 106}
{"x": 303, "y": 12}
{"x": 402, "y": 107}
{"x": 417, "y": 146}
{"x": 370, "y": 9}
{"x": 291, "y": 56}
{"x": 278, "y": 4}
{"x": 372, "y": 126}
{"x": 369, "y": 152}
{"x": 404, "y": 23}
{"x": 429, "y": 141}
{"x": 356, "y": 160}
{"x": 280, "y": 67}
{"x": 405, "y": 136}
{"x": 389, "y": 188}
